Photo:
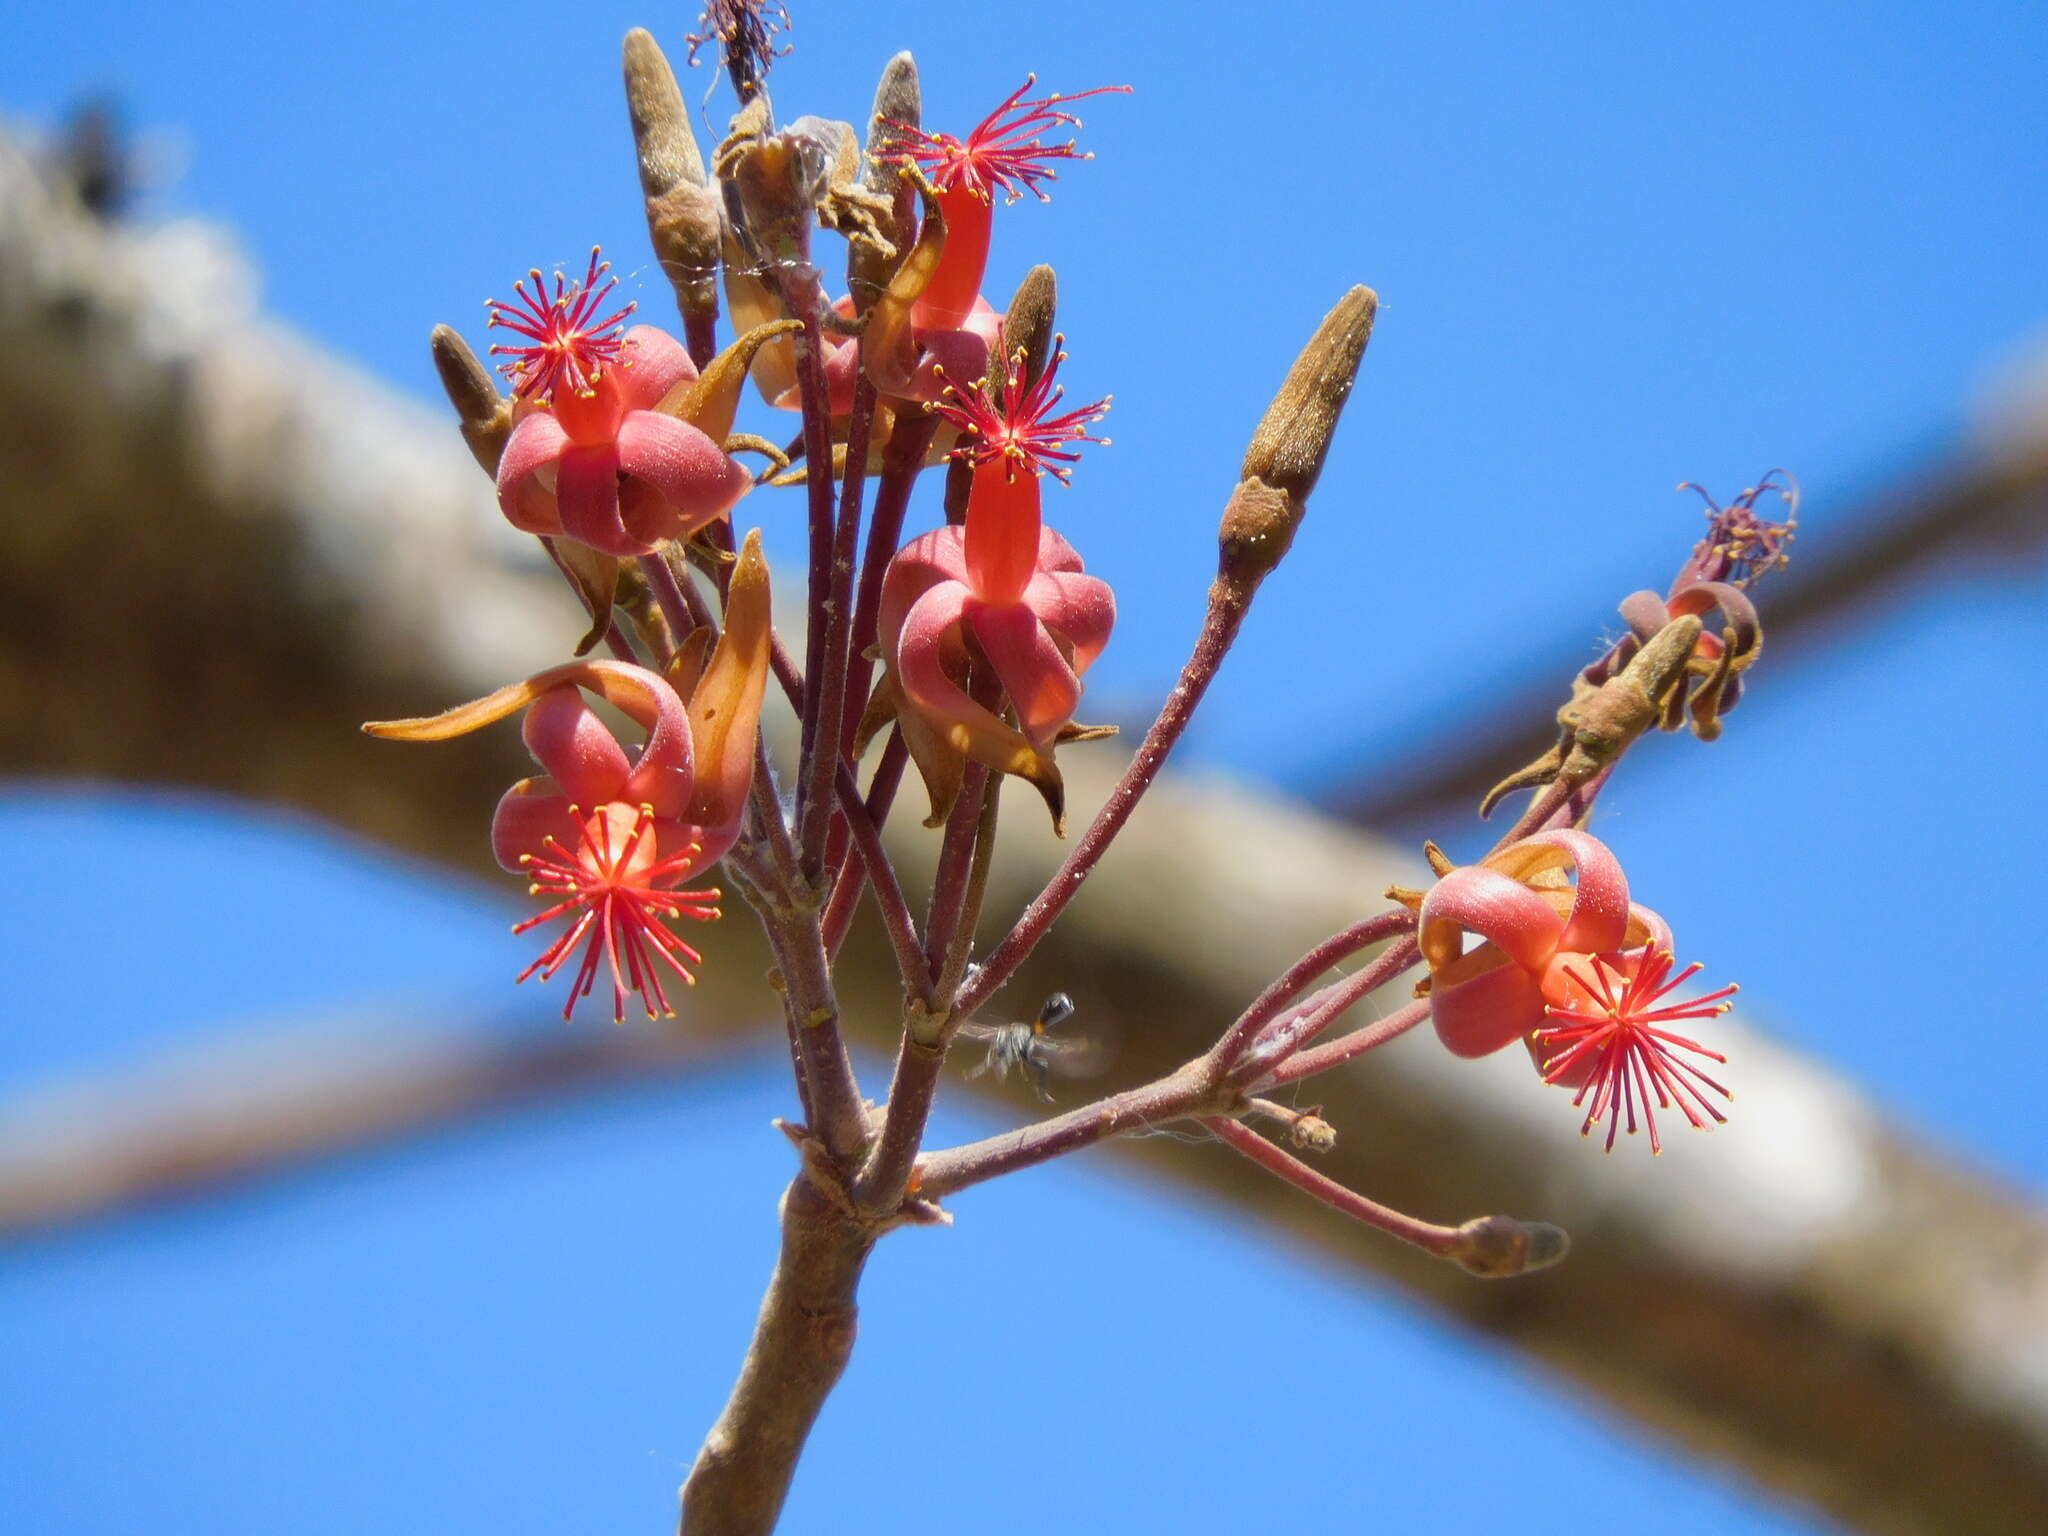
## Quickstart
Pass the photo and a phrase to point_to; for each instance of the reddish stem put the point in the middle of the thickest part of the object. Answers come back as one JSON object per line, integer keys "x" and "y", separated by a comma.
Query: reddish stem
{"x": 1443, "y": 1242}
{"x": 1292, "y": 981}
{"x": 848, "y": 884}
{"x": 1228, "y": 604}
{"x": 1334, "y": 1053}
{"x": 1188, "y": 1091}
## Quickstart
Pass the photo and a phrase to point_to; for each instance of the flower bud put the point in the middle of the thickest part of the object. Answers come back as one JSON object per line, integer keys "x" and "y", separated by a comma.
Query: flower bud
{"x": 1287, "y": 451}
{"x": 1500, "y": 1247}
{"x": 682, "y": 208}
{"x": 485, "y": 415}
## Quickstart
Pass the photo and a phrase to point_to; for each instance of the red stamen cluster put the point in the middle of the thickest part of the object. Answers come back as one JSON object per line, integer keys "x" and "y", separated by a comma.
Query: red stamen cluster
{"x": 1740, "y": 546}
{"x": 1615, "y": 1038}
{"x": 1024, "y": 433}
{"x": 568, "y": 343}
{"x": 610, "y": 884}
{"x": 1003, "y": 149}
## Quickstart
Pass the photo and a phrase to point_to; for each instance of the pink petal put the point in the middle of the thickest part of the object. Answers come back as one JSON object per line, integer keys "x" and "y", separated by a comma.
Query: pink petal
{"x": 536, "y": 444}
{"x": 1494, "y": 1008}
{"x": 713, "y": 844}
{"x": 664, "y": 773}
{"x": 930, "y": 635}
{"x": 1028, "y": 661}
{"x": 1494, "y": 906}
{"x": 528, "y": 814}
{"x": 658, "y": 363}
{"x": 917, "y": 567}
{"x": 693, "y": 475}
{"x": 950, "y": 357}
{"x": 577, "y": 749}
{"x": 1055, "y": 553}
{"x": 587, "y": 491}
{"x": 1599, "y": 918}
{"x": 842, "y": 372}
{"x": 1081, "y": 608}
{"x": 1647, "y": 930}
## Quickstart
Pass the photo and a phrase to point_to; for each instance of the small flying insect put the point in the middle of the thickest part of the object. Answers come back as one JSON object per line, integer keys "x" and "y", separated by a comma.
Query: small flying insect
{"x": 1026, "y": 1046}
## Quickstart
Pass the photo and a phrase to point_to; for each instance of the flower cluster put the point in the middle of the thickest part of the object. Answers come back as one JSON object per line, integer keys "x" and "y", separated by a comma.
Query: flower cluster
{"x": 961, "y": 645}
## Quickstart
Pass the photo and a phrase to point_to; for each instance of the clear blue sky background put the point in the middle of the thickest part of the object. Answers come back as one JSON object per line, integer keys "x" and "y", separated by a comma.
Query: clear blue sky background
{"x": 1617, "y": 247}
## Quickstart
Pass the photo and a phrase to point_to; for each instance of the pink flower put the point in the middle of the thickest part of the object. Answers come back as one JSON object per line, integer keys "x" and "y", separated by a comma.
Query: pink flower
{"x": 1003, "y": 588}
{"x": 1575, "y": 971}
{"x": 606, "y": 840}
{"x": 607, "y": 837}
{"x": 1002, "y": 150}
{"x": 599, "y": 453}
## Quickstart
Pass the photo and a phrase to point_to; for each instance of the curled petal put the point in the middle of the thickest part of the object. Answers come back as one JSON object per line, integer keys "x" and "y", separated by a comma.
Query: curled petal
{"x": 653, "y": 364}
{"x": 930, "y": 638}
{"x": 528, "y": 814}
{"x": 1646, "y": 930}
{"x": 1055, "y": 553}
{"x": 528, "y": 501}
{"x": 577, "y": 749}
{"x": 1028, "y": 662}
{"x": 1081, "y": 609}
{"x": 1599, "y": 911}
{"x": 1493, "y": 905}
{"x": 950, "y": 354}
{"x": 918, "y": 567}
{"x": 698, "y": 480}
{"x": 587, "y": 496}
{"x": 1483, "y": 1002}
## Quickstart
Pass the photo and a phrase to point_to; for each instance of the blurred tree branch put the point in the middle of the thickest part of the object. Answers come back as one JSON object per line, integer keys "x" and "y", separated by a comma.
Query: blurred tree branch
{"x": 222, "y": 549}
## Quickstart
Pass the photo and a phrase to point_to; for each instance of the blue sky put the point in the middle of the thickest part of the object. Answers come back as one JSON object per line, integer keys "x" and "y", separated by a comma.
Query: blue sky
{"x": 1617, "y": 247}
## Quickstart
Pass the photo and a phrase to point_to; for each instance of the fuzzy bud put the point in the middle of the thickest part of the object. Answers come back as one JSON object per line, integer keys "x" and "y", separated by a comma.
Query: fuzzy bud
{"x": 484, "y": 415}
{"x": 682, "y": 208}
{"x": 1287, "y": 451}
{"x": 1028, "y": 324}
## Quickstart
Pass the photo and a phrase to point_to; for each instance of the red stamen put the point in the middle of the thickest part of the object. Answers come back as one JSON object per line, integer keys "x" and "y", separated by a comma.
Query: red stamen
{"x": 1741, "y": 546}
{"x": 612, "y": 888}
{"x": 1003, "y": 149}
{"x": 1024, "y": 433}
{"x": 1630, "y": 1058}
{"x": 570, "y": 345}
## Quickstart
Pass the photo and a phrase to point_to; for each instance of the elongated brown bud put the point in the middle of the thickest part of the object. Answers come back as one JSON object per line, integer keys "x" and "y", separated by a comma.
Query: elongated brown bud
{"x": 682, "y": 208}
{"x": 485, "y": 415}
{"x": 870, "y": 265}
{"x": 898, "y": 104}
{"x": 1287, "y": 451}
{"x": 1289, "y": 448}
{"x": 661, "y": 123}
{"x": 1027, "y": 324}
